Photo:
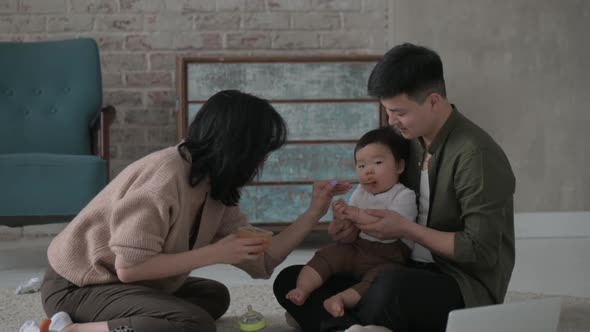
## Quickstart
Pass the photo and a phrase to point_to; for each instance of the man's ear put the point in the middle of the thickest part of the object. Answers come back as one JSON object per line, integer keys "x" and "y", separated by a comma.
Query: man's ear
{"x": 434, "y": 99}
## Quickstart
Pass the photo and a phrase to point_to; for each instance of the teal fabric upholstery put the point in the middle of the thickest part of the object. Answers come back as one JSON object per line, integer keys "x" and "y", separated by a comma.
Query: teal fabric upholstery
{"x": 42, "y": 184}
{"x": 50, "y": 99}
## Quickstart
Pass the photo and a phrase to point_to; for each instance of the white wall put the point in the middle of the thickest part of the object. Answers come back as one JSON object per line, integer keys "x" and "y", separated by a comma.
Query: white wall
{"x": 552, "y": 253}
{"x": 520, "y": 69}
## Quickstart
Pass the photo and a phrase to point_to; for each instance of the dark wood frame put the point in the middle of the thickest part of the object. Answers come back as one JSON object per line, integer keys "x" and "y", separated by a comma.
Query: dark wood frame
{"x": 100, "y": 147}
{"x": 182, "y": 64}
{"x": 100, "y": 133}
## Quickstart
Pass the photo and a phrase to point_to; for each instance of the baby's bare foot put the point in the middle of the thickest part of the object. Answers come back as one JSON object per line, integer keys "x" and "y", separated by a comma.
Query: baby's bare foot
{"x": 297, "y": 296}
{"x": 335, "y": 305}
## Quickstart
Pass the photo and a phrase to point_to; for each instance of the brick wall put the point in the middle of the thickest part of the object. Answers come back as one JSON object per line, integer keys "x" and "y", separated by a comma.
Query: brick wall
{"x": 139, "y": 40}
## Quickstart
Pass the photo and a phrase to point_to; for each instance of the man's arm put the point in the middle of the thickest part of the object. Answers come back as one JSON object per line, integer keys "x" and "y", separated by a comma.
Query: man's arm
{"x": 483, "y": 186}
{"x": 439, "y": 243}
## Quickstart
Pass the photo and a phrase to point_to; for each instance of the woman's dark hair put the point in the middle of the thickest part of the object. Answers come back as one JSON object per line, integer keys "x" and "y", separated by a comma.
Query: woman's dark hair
{"x": 228, "y": 141}
{"x": 388, "y": 136}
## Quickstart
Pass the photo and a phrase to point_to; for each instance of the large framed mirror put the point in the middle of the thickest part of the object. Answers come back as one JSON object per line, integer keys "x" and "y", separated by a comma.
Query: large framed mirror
{"x": 325, "y": 104}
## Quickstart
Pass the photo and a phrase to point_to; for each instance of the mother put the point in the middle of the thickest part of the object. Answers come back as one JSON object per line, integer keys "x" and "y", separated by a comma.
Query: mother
{"x": 123, "y": 263}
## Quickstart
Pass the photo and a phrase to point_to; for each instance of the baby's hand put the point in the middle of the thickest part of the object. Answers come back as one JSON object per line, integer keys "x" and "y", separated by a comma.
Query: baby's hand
{"x": 342, "y": 230}
{"x": 335, "y": 226}
{"x": 338, "y": 224}
{"x": 345, "y": 211}
{"x": 339, "y": 206}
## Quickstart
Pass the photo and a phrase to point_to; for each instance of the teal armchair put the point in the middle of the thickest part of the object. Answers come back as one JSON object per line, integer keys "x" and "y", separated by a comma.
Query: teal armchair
{"x": 54, "y": 153}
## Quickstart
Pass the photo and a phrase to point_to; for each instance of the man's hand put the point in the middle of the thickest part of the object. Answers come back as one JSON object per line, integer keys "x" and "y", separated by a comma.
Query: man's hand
{"x": 341, "y": 229}
{"x": 338, "y": 207}
{"x": 385, "y": 224}
{"x": 346, "y": 232}
{"x": 390, "y": 225}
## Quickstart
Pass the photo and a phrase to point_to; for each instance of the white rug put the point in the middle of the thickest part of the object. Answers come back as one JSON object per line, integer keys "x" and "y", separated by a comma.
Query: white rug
{"x": 15, "y": 309}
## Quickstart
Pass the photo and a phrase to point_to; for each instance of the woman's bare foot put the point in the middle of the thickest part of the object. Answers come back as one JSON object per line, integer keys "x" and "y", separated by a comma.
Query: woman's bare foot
{"x": 335, "y": 305}
{"x": 297, "y": 296}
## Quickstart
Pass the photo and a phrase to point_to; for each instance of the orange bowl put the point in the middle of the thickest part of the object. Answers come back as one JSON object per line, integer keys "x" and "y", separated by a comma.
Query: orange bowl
{"x": 250, "y": 231}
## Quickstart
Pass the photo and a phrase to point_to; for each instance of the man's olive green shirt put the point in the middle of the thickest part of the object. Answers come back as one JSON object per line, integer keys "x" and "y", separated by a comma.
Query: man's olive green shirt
{"x": 471, "y": 194}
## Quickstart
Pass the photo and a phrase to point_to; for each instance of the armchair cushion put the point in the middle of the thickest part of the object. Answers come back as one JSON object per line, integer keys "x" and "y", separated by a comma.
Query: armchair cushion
{"x": 55, "y": 184}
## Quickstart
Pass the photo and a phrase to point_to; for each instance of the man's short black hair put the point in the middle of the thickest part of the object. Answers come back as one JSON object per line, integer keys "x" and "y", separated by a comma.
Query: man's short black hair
{"x": 408, "y": 69}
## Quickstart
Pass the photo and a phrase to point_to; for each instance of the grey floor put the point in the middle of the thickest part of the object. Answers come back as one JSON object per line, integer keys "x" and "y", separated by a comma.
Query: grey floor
{"x": 21, "y": 259}
{"x": 544, "y": 266}
{"x": 25, "y": 258}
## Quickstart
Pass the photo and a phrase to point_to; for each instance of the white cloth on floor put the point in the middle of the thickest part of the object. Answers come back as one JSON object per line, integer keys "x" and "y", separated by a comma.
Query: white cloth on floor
{"x": 33, "y": 285}
{"x": 368, "y": 328}
{"x": 60, "y": 321}
{"x": 29, "y": 326}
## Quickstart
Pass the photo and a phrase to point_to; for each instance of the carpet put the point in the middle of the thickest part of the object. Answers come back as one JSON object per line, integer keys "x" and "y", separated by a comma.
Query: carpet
{"x": 16, "y": 309}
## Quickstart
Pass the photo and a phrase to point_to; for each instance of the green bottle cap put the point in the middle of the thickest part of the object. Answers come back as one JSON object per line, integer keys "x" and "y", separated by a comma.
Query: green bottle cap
{"x": 252, "y": 321}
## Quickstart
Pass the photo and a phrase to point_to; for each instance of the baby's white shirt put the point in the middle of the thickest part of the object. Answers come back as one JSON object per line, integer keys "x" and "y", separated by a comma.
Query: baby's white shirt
{"x": 399, "y": 198}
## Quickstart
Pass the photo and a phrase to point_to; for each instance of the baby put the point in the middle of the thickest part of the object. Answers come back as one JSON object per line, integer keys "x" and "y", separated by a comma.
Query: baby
{"x": 380, "y": 157}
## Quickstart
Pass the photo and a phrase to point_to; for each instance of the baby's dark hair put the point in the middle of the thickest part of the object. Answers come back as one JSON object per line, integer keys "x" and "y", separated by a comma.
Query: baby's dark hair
{"x": 388, "y": 136}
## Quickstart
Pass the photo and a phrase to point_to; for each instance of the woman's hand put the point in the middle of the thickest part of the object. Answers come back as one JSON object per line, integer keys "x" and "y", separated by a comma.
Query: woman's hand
{"x": 233, "y": 250}
{"x": 322, "y": 195}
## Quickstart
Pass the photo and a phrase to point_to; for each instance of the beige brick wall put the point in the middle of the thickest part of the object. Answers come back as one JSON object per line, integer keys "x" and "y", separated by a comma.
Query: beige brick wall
{"x": 518, "y": 68}
{"x": 140, "y": 39}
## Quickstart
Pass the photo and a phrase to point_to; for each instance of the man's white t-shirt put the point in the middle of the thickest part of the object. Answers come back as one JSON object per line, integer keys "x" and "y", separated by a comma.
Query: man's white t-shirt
{"x": 399, "y": 198}
{"x": 419, "y": 252}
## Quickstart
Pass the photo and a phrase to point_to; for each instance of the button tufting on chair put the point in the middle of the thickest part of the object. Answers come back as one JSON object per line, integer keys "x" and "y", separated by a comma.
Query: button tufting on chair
{"x": 55, "y": 158}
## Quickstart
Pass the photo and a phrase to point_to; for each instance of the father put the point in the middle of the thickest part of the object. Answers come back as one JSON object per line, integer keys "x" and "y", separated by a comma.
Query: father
{"x": 464, "y": 235}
